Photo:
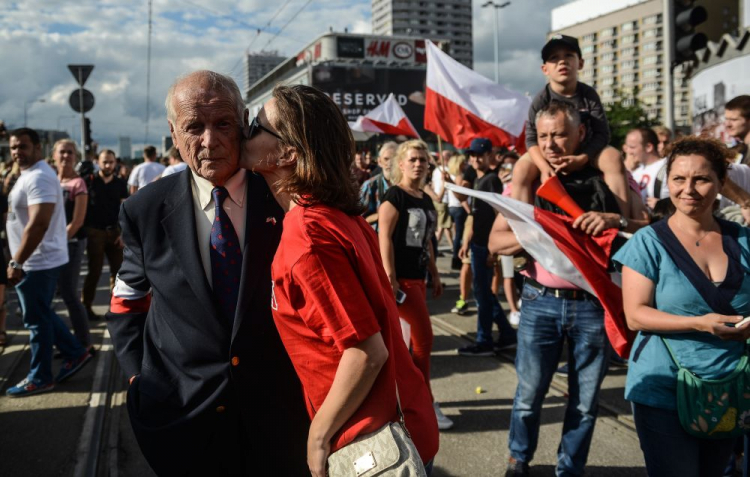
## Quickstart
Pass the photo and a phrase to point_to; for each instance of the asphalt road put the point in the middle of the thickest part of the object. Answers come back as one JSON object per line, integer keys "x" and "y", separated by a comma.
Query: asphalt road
{"x": 49, "y": 434}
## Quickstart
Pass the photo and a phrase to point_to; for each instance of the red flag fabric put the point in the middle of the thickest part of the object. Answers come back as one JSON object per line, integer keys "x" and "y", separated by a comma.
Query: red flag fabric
{"x": 590, "y": 255}
{"x": 462, "y": 105}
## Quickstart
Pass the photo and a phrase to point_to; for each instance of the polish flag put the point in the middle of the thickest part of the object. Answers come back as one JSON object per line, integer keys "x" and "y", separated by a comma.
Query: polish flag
{"x": 462, "y": 105}
{"x": 568, "y": 253}
{"x": 388, "y": 118}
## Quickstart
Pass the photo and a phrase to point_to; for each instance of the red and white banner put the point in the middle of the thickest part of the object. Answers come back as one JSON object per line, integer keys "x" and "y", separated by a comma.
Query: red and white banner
{"x": 463, "y": 105}
{"x": 388, "y": 118}
{"x": 568, "y": 253}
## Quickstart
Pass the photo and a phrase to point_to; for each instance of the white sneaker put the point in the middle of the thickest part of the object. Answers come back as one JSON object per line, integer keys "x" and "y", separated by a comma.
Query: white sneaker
{"x": 515, "y": 318}
{"x": 442, "y": 421}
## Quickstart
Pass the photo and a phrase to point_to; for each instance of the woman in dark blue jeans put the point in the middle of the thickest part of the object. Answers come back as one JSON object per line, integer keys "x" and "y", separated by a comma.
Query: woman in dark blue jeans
{"x": 685, "y": 278}
{"x": 75, "y": 199}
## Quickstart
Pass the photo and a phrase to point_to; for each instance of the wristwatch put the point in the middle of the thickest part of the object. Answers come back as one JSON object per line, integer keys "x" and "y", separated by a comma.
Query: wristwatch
{"x": 15, "y": 265}
{"x": 623, "y": 223}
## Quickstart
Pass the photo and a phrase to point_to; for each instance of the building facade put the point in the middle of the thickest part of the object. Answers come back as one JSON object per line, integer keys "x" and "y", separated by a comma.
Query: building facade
{"x": 124, "y": 147}
{"x": 437, "y": 20}
{"x": 357, "y": 71}
{"x": 258, "y": 65}
{"x": 623, "y": 47}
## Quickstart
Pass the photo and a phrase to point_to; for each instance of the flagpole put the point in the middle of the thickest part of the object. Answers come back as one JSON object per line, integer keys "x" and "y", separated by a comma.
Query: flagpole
{"x": 440, "y": 151}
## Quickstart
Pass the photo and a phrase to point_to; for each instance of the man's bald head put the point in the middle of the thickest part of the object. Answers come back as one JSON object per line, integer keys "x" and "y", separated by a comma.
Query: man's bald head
{"x": 206, "y": 116}
{"x": 202, "y": 81}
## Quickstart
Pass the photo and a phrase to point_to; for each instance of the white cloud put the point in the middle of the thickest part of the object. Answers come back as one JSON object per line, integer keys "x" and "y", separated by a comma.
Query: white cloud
{"x": 40, "y": 39}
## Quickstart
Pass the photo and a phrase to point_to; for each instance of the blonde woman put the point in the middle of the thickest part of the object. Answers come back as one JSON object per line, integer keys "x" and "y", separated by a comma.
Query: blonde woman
{"x": 75, "y": 200}
{"x": 407, "y": 221}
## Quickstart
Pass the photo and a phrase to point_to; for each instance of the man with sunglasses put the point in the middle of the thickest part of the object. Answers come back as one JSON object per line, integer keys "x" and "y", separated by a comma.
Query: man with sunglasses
{"x": 212, "y": 390}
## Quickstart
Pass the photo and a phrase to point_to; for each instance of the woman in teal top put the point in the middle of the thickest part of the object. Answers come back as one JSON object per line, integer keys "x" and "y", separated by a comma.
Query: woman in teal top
{"x": 685, "y": 278}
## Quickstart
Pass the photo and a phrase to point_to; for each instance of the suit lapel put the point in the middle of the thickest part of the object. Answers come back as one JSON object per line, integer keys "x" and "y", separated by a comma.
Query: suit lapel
{"x": 263, "y": 225}
{"x": 179, "y": 224}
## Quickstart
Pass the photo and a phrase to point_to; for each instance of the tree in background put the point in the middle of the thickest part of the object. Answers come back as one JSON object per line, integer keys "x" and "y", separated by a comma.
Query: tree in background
{"x": 626, "y": 112}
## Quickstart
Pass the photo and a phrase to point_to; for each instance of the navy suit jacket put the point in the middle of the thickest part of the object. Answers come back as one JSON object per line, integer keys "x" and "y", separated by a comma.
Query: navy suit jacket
{"x": 201, "y": 380}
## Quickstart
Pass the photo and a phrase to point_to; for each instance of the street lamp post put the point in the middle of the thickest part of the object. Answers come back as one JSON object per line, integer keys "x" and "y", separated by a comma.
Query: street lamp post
{"x": 26, "y": 108}
{"x": 497, "y": 6}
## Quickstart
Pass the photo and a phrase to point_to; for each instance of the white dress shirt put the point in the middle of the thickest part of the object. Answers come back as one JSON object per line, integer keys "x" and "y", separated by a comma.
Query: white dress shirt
{"x": 204, "y": 210}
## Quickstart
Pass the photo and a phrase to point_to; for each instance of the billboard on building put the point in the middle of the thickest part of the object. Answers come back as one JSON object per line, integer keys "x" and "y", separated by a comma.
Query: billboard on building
{"x": 712, "y": 88}
{"x": 357, "y": 89}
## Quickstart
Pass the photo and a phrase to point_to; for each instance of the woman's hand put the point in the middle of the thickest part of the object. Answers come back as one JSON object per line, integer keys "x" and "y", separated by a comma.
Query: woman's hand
{"x": 716, "y": 324}
{"x": 317, "y": 454}
{"x": 437, "y": 286}
{"x": 394, "y": 284}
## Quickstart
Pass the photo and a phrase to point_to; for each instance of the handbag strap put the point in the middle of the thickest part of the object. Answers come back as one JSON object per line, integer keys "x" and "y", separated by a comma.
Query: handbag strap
{"x": 401, "y": 418}
{"x": 671, "y": 353}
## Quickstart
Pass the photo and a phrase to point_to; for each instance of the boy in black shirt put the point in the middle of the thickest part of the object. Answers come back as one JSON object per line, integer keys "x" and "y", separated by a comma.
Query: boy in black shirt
{"x": 482, "y": 262}
{"x": 562, "y": 61}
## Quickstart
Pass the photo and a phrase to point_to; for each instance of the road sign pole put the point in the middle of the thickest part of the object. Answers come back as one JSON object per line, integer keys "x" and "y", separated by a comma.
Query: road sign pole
{"x": 83, "y": 115}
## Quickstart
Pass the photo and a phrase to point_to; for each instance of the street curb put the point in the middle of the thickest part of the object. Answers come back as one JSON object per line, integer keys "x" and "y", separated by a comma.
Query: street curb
{"x": 558, "y": 385}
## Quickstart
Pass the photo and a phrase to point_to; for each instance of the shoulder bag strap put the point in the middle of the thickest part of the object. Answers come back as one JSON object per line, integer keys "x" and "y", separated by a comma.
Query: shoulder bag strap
{"x": 671, "y": 353}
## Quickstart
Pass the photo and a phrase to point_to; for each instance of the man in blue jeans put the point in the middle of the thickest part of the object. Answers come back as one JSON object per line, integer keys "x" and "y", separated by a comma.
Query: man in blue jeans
{"x": 482, "y": 261}
{"x": 554, "y": 309}
{"x": 38, "y": 244}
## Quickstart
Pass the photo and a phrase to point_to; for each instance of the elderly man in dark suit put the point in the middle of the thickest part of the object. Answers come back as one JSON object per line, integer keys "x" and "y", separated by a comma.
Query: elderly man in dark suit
{"x": 212, "y": 389}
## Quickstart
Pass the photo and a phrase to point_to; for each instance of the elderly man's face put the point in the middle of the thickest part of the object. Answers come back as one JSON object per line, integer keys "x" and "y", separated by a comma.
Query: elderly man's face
{"x": 206, "y": 130}
{"x": 557, "y": 137}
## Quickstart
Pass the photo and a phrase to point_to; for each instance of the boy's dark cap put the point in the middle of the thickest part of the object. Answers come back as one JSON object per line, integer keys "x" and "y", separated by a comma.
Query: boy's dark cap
{"x": 560, "y": 40}
{"x": 479, "y": 146}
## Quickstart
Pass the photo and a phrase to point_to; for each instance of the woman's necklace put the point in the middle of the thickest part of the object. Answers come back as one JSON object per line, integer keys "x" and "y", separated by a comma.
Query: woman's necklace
{"x": 697, "y": 242}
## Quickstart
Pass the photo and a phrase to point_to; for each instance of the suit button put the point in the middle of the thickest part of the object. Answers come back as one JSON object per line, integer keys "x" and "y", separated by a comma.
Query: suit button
{"x": 235, "y": 360}
{"x": 221, "y": 409}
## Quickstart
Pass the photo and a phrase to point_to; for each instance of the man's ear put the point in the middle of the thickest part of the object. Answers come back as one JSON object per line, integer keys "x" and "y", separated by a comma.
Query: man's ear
{"x": 171, "y": 132}
{"x": 648, "y": 147}
{"x": 544, "y": 69}
{"x": 580, "y": 63}
{"x": 581, "y": 132}
{"x": 246, "y": 124}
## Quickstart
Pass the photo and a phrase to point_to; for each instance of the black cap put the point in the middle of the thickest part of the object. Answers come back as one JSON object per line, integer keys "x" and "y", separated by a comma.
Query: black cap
{"x": 560, "y": 40}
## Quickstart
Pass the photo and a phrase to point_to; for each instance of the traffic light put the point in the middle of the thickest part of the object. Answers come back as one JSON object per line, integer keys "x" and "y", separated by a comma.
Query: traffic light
{"x": 87, "y": 133}
{"x": 685, "y": 40}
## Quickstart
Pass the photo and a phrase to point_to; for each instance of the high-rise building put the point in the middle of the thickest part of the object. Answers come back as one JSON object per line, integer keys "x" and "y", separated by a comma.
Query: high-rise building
{"x": 436, "y": 20}
{"x": 124, "y": 147}
{"x": 623, "y": 48}
{"x": 258, "y": 65}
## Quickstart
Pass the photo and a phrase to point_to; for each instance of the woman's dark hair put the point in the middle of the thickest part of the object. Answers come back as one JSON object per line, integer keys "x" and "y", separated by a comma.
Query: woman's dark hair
{"x": 310, "y": 122}
{"x": 715, "y": 152}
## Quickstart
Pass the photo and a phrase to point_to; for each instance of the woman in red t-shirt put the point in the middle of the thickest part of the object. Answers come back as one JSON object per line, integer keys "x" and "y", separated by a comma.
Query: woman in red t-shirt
{"x": 332, "y": 301}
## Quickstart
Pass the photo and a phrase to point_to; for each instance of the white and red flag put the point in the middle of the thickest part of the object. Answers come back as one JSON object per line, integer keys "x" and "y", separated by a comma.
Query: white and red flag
{"x": 388, "y": 118}
{"x": 462, "y": 105}
{"x": 568, "y": 253}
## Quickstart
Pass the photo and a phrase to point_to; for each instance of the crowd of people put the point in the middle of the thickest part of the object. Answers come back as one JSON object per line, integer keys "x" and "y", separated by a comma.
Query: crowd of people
{"x": 269, "y": 295}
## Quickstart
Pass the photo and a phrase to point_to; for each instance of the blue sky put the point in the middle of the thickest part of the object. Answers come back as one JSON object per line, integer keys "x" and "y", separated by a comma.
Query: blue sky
{"x": 41, "y": 37}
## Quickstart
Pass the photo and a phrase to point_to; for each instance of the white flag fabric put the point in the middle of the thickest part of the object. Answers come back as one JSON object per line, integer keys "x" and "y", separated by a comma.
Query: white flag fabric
{"x": 387, "y": 118}
{"x": 530, "y": 234}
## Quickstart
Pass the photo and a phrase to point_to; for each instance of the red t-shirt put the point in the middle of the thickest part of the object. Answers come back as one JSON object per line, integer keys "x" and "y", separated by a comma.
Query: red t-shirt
{"x": 331, "y": 293}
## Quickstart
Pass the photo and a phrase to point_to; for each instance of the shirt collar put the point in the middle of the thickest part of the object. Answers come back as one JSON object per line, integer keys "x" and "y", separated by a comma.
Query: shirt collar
{"x": 235, "y": 187}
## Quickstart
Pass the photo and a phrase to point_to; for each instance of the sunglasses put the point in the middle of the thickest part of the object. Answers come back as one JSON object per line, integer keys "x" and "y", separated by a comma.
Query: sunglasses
{"x": 255, "y": 125}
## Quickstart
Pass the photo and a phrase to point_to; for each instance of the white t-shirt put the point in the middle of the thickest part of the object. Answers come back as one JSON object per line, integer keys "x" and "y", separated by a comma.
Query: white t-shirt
{"x": 145, "y": 173}
{"x": 645, "y": 176}
{"x": 173, "y": 169}
{"x": 740, "y": 175}
{"x": 38, "y": 185}
{"x": 437, "y": 184}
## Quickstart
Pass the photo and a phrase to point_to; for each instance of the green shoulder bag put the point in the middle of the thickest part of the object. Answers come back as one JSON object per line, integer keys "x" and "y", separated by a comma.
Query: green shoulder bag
{"x": 713, "y": 408}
